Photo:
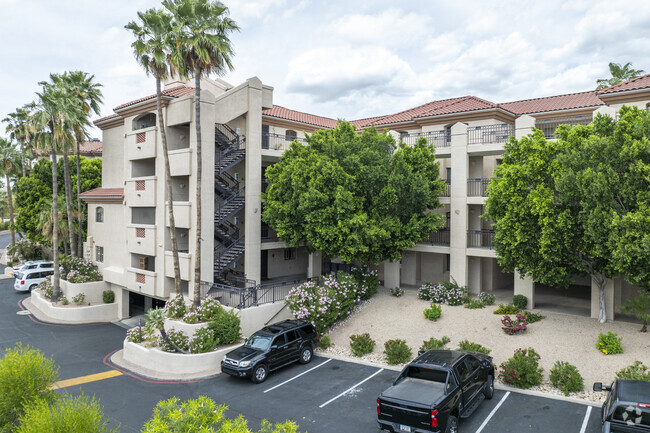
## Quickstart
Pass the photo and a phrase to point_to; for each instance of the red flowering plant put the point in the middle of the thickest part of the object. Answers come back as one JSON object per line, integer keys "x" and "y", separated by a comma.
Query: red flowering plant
{"x": 514, "y": 326}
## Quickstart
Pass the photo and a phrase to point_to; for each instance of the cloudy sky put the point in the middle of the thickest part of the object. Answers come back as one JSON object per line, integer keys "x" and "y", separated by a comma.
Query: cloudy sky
{"x": 347, "y": 59}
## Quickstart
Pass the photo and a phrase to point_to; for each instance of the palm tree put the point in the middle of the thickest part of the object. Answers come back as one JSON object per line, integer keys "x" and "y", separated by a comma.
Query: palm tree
{"x": 46, "y": 220}
{"x": 619, "y": 75}
{"x": 55, "y": 109}
{"x": 202, "y": 46}
{"x": 18, "y": 129}
{"x": 9, "y": 163}
{"x": 151, "y": 48}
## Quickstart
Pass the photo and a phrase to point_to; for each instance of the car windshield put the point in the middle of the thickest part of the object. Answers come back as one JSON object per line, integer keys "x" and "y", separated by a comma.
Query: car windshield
{"x": 259, "y": 341}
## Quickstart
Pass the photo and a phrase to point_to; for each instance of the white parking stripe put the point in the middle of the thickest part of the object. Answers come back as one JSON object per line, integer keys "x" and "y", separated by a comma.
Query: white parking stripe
{"x": 351, "y": 388}
{"x": 586, "y": 420}
{"x": 492, "y": 413}
{"x": 296, "y": 377}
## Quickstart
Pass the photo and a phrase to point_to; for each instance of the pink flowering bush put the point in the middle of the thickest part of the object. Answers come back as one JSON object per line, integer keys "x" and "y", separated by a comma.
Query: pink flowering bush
{"x": 326, "y": 302}
{"x": 514, "y": 326}
{"x": 24, "y": 249}
{"x": 78, "y": 270}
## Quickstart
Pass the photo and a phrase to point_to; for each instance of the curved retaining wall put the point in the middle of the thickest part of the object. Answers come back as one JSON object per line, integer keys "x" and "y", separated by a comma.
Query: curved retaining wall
{"x": 75, "y": 314}
{"x": 188, "y": 329}
{"x": 93, "y": 290}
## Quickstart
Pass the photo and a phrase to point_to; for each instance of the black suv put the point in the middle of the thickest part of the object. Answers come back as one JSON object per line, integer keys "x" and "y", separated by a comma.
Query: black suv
{"x": 627, "y": 406}
{"x": 270, "y": 348}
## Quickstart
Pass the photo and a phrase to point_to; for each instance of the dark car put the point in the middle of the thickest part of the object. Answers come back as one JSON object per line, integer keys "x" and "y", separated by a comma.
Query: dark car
{"x": 272, "y": 348}
{"x": 627, "y": 406}
{"x": 434, "y": 390}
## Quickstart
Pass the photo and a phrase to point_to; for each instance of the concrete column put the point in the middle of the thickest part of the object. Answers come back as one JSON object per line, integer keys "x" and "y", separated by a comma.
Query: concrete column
{"x": 148, "y": 302}
{"x": 525, "y": 286}
{"x": 523, "y": 126}
{"x": 409, "y": 268}
{"x": 459, "y": 173}
{"x": 391, "y": 274}
{"x": 610, "y": 289}
{"x": 314, "y": 265}
{"x": 253, "y": 220}
{"x": 474, "y": 270}
{"x": 122, "y": 299}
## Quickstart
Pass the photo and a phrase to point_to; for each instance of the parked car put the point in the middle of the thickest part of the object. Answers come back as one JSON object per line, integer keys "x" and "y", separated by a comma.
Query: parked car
{"x": 627, "y": 406}
{"x": 27, "y": 280}
{"x": 33, "y": 264}
{"x": 271, "y": 348}
{"x": 434, "y": 390}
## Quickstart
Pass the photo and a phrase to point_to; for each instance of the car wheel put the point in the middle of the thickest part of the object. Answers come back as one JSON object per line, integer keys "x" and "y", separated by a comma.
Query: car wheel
{"x": 305, "y": 355}
{"x": 488, "y": 391}
{"x": 259, "y": 373}
{"x": 32, "y": 287}
{"x": 452, "y": 424}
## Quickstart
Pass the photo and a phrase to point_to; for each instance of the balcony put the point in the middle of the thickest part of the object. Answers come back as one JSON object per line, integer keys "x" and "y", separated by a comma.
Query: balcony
{"x": 141, "y": 144}
{"x": 490, "y": 134}
{"x": 480, "y": 239}
{"x": 140, "y": 192}
{"x": 440, "y": 237}
{"x": 437, "y": 138}
{"x": 477, "y": 187}
{"x": 184, "y": 262}
{"x": 268, "y": 234}
{"x": 447, "y": 191}
{"x": 142, "y": 240}
{"x": 180, "y": 162}
{"x": 548, "y": 126}
{"x": 182, "y": 214}
{"x": 141, "y": 281}
{"x": 279, "y": 142}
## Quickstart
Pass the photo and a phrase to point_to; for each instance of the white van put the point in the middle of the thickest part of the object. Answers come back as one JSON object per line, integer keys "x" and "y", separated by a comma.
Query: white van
{"x": 27, "y": 280}
{"x": 33, "y": 264}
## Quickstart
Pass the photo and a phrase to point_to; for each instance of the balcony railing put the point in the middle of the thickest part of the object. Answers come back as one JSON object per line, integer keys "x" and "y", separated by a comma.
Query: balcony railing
{"x": 548, "y": 126}
{"x": 480, "y": 239}
{"x": 447, "y": 191}
{"x": 280, "y": 142}
{"x": 490, "y": 134}
{"x": 268, "y": 234}
{"x": 437, "y": 138}
{"x": 477, "y": 187}
{"x": 439, "y": 237}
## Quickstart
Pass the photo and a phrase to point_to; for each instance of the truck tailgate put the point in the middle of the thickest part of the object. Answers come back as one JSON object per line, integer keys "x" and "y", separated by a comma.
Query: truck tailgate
{"x": 418, "y": 391}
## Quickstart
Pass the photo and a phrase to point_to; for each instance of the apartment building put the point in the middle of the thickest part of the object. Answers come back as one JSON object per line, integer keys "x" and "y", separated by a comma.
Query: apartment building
{"x": 244, "y": 133}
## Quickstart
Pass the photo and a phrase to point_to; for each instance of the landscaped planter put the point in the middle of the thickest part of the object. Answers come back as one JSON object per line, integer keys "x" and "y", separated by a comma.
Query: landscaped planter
{"x": 92, "y": 290}
{"x": 73, "y": 313}
{"x": 178, "y": 364}
{"x": 187, "y": 328}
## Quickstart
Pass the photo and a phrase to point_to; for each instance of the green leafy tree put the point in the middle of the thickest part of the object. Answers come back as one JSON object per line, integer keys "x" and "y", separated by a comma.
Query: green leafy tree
{"x": 152, "y": 48}
{"x": 639, "y": 307}
{"x": 619, "y": 75}
{"x": 9, "y": 167}
{"x": 354, "y": 196}
{"x": 201, "y": 30}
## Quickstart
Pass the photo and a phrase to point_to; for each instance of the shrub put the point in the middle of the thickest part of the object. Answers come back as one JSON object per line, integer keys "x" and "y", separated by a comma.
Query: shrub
{"x": 566, "y": 377}
{"x": 139, "y": 334}
{"x": 191, "y": 317}
{"x": 445, "y": 292}
{"x": 79, "y": 299}
{"x": 433, "y": 312}
{"x": 426, "y": 292}
{"x": 78, "y": 270}
{"x": 487, "y": 298}
{"x": 179, "y": 338}
{"x": 397, "y": 352}
{"x": 361, "y": 344}
{"x": 473, "y": 347}
{"x": 64, "y": 300}
{"x": 208, "y": 309}
{"x": 47, "y": 288}
{"x": 325, "y": 342}
{"x": 108, "y": 296}
{"x": 520, "y": 301}
{"x": 367, "y": 280}
{"x": 636, "y": 371}
{"x": 396, "y": 291}
{"x": 203, "y": 341}
{"x": 24, "y": 250}
{"x": 226, "y": 326}
{"x": 324, "y": 303}
{"x": 176, "y": 307}
{"x": 609, "y": 344}
{"x": 25, "y": 376}
{"x": 506, "y": 309}
{"x": 532, "y": 317}
{"x": 514, "y": 326}
{"x": 80, "y": 414}
{"x": 522, "y": 370}
{"x": 474, "y": 304}
{"x": 434, "y": 343}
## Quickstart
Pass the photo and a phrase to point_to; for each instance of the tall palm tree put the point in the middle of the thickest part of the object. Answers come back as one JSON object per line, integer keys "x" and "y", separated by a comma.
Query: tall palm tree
{"x": 46, "y": 220}
{"x": 90, "y": 96}
{"x": 18, "y": 129}
{"x": 151, "y": 48}
{"x": 202, "y": 46}
{"x": 619, "y": 75}
{"x": 9, "y": 166}
{"x": 51, "y": 121}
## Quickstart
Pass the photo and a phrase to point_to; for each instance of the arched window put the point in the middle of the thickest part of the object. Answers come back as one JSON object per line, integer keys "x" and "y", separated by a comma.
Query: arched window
{"x": 145, "y": 121}
{"x": 99, "y": 215}
{"x": 290, "y": 135}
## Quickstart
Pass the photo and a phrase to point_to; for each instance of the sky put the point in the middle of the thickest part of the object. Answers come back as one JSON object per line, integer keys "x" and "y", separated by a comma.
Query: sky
{"x": 343, "y": 59}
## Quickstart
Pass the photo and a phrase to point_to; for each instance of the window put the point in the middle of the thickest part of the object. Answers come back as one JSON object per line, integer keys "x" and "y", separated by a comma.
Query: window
{"x": 99, "y": 214}
{"x": 291, "y": 336}
{"x": 290, "y": 135}
{"x": 447, "y": 262}
{"x": 461, "y": 371}
{"x": 473, "y": 364}
{"x": 279, "y": 340}
{"x": 99, "y": 254}
{"x": 290, "y": 254}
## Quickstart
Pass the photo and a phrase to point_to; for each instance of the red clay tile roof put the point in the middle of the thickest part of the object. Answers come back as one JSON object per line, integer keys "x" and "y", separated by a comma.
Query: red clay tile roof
{"x": 297, "y": 116}
{"x": 174, "y": 92}
{"x": 103, "y": 193}
{"x": 362, "y": 123}
{"x": 554, "y": 103}
{"x": 437, "y": 108}
{"x": 91, "y": 147}
{"x": 112, "y": 116}
{"x": 641, "y": 82}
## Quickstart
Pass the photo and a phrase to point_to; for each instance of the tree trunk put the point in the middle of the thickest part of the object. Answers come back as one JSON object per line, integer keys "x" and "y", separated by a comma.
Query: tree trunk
{"x": 11, "y": 209}
{"x": 22, "y": 156}
{"x": 68, "y": 204}
{"x": 80, "y": 240}
{"x": 601, "y": 282}
{"x": 197, "y": 251}
{"x": 56, "y": 293}
{"x": 165, "y": 337}
{"x": 170, "y": 199}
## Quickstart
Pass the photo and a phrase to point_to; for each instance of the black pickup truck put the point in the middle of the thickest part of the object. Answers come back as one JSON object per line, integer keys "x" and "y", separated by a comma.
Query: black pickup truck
{"x": 626, "y": 408}
{"x": 434, "y": 390}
